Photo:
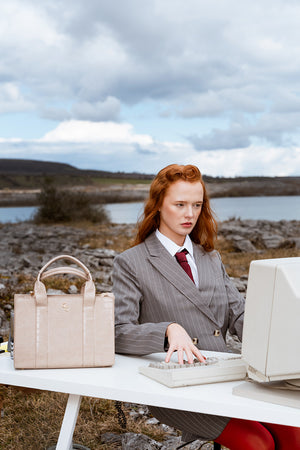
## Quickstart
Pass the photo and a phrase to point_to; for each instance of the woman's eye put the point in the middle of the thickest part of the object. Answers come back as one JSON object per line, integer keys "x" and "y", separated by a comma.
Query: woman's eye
{"x": 179, "y": 204}
{"x": 198, "y": 205}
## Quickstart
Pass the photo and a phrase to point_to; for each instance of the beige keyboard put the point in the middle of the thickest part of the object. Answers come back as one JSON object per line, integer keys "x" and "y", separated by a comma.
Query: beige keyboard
{"x": 213, "y": 370}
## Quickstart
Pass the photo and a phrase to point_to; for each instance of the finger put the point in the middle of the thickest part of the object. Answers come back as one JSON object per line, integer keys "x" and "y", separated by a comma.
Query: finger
{"x": 199, "y": 355}
{"x": 180, "y": 356}
{"x": 190, "y": 356}
{"x": 169, "y": 354}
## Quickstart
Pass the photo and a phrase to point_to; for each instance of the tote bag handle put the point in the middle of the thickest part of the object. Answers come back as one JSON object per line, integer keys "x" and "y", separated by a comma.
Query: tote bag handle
{"x": 89, "y": 290}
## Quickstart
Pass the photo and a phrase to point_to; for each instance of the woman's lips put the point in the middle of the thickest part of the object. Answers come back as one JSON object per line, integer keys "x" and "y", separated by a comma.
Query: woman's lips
{"x": 187, "y": 224}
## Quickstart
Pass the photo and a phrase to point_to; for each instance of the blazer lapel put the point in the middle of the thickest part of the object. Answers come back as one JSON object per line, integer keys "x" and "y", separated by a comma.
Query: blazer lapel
{"x": 206, "y": 280}
{"x": 161, "y": 259}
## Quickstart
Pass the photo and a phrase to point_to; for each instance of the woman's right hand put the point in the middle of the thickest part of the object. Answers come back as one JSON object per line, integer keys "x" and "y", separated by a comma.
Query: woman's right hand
{"x": 179, "y": 340}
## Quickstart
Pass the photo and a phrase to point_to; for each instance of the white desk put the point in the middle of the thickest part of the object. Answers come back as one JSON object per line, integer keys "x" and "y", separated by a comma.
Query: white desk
{"x": 123, "y": 382}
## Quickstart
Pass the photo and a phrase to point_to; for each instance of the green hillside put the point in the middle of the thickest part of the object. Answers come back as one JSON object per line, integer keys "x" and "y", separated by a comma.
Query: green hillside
{"x": 29, "y": 174}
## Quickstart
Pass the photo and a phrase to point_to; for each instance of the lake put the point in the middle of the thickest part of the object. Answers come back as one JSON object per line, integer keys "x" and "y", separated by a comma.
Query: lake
{"x": 267, "y": 208}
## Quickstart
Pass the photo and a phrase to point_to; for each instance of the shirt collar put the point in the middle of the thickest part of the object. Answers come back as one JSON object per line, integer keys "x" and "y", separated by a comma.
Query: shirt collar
{"x": 172, "y": 247}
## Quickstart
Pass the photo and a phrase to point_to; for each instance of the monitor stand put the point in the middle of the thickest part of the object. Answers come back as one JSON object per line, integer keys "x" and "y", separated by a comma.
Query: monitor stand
{"x": 286, "y": 393}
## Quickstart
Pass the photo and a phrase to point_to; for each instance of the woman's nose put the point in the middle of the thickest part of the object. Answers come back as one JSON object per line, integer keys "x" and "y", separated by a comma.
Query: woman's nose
{"x": 189, "y": 211}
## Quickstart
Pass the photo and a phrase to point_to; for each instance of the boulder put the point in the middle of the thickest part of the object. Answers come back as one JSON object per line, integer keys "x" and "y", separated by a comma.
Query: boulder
{"x": 242, "y": 245}
{"x": 272, "y": 240}
{"x": 135, "y": 441}
{"x": 296, "y": 242}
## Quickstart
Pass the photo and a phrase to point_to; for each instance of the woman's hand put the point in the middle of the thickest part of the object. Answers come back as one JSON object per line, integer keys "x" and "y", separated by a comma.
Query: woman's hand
{"x": 179, "y": 340}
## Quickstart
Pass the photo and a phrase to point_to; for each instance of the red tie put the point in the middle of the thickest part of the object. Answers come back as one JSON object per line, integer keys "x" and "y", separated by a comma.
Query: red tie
{"x": 181, "y": 258}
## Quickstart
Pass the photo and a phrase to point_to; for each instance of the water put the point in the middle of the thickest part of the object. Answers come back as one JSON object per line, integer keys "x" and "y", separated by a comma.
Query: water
{"x": 15, "y": 214}
{"x": 124, "y": 212}
{"x": 267, "y": 208}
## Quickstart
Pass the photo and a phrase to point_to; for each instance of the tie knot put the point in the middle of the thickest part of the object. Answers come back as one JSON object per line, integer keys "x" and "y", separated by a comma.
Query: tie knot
{"x": 181, "y": 256}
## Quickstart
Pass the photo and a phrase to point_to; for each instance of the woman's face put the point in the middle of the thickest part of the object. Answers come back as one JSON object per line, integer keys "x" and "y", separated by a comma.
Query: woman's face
{"x": 180, "y": 209}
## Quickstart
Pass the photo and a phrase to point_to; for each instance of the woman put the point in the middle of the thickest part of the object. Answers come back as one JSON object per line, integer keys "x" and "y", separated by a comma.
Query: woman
{"x": 160, "y": 307}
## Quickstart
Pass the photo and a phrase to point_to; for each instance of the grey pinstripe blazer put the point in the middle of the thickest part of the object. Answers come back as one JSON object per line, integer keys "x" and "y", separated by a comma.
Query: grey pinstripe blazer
{"x": 152, "y": 290}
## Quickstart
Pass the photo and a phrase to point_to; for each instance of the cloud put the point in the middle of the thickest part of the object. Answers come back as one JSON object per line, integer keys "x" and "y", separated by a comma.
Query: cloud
{"x": 107, "y": 110}
{"x": 234, "y": 137}
{"x": 273, "y": 128}
{"x": 224, "y": 74}
{"x": 74, "y": 131}
{"x": 254, "y": 162}
{"x": 93, "y": 51}
{"x": 12, "y": 100}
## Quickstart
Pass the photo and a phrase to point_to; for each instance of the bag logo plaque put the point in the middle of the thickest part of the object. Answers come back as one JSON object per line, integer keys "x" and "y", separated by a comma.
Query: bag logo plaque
{"x": 65, "y": 306}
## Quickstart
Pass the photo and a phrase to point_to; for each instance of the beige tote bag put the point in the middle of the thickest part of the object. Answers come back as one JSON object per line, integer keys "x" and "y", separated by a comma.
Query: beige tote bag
{"x": 61, "y": 331}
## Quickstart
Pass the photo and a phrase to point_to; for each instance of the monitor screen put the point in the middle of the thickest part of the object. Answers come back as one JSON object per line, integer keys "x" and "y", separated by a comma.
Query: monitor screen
{"x": 271, "y": 334}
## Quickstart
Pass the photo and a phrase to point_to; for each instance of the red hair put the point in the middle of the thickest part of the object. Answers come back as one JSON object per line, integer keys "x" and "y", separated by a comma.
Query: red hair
{"x": 205, "y": 230}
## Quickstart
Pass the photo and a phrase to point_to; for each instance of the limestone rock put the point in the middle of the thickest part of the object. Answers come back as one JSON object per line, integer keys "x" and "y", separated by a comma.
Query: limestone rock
{"x": 243, "y": 245}
{"x": 73, "y": 289}
{"x": 250, "y": 235}
{"x": 296, "y": 242}
{"x": 272, "y": 240}
{"x": 134, "y": 441}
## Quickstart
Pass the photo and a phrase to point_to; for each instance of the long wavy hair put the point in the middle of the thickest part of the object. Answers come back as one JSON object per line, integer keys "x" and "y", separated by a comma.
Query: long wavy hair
{"x": 205, "y": 230}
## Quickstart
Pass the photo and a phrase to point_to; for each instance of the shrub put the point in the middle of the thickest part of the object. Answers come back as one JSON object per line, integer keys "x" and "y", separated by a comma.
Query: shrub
{"x": 57, "y": 205}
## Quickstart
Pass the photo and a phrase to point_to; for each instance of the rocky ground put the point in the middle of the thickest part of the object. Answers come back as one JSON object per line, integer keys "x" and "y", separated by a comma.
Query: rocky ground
{"x": 255, "y": 235}
{"x": 25, "y": 248}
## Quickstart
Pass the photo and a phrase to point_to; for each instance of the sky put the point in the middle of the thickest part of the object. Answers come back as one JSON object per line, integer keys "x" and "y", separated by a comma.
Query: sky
{"x": 132, "y": 85}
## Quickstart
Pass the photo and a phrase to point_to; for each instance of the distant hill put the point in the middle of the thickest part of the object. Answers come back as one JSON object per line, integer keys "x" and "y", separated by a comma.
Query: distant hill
{"x": 31, "y": 174}
{"x": 33, "y": 167}
{"x": 25, "y": 175}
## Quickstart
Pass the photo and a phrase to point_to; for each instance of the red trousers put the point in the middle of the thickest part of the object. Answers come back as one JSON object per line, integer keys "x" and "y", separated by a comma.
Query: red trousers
{"x": 242, "y": 434}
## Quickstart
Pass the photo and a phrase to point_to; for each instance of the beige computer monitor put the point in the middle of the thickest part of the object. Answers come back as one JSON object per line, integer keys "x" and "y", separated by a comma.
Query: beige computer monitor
{"x": 271, "y": 334}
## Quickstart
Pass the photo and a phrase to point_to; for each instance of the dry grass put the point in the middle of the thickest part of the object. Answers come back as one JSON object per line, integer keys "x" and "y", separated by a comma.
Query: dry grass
{"x": 237, "y": 263}
{"x": 109, "y": 236}
{"x": 32, "y": 420}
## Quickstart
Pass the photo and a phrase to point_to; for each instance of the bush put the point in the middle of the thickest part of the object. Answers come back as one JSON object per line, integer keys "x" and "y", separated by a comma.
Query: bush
{"x": 66, "y": 206}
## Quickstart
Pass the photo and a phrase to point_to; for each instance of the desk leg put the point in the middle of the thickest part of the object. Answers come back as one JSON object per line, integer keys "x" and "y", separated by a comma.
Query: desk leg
{"x": 69, "y": 421}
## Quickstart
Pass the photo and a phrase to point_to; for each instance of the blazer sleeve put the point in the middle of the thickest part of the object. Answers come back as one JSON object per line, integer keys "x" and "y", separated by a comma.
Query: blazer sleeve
{"x": 236, "y": 304}
{"x": 132, "y": 337}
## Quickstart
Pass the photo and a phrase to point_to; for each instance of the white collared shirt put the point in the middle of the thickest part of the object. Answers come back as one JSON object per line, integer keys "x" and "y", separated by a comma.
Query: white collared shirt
{"x": 173, "y": 248}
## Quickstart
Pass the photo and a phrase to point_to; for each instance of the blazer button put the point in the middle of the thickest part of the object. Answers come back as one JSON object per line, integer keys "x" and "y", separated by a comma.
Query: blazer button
{"x": 217, "y": 333}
